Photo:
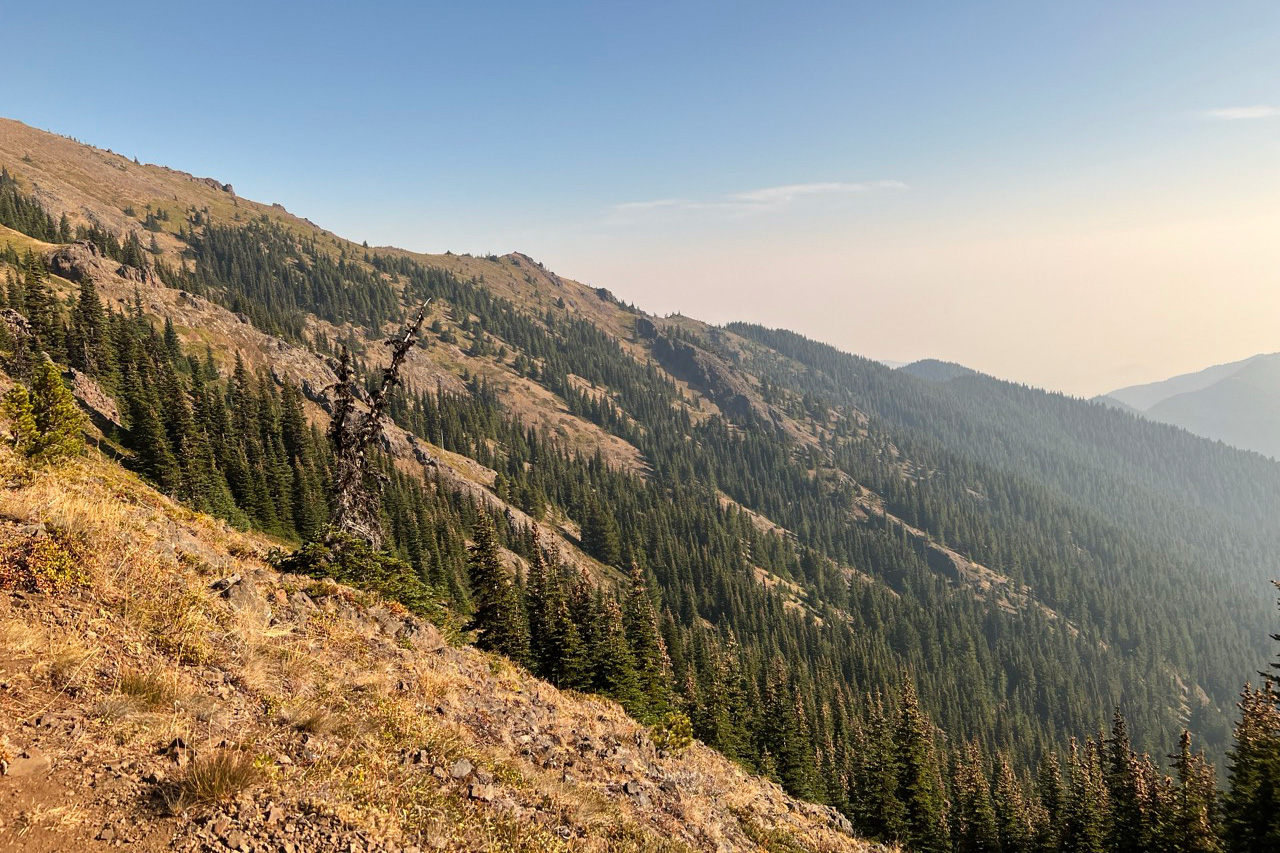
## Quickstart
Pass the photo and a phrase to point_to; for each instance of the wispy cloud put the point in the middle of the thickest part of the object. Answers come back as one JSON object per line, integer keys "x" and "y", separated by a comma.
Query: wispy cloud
{"x": 656, "y": 204}
{"x": 758, "y": 200}
{"x": 1239, "y": 113}
{"x": 789, "y": 193}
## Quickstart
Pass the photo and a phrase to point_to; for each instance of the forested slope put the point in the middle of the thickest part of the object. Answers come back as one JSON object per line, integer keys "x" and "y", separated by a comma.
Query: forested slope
{"x": 810, "y": 555}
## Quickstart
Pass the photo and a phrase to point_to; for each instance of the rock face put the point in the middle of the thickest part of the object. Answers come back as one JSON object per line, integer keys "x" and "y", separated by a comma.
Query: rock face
{"x": 78, "y": 261}
{"x": 217, "y": 185}
{"x": 706, "y": 373}
{"x": 100, "y": 405}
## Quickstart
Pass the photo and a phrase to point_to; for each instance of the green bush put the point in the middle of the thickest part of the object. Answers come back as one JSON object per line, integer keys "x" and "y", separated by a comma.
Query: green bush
{"x": 351, "y": 561}
{"x": 673, "y": 733}
{"x": 45, "y": 562}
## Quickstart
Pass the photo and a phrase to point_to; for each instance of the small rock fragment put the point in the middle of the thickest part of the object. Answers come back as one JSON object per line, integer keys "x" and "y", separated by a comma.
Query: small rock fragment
{"x": 483, "y": 793}
{"x": 30, "y": 762}
{"x": 221, "y": 825}
{"x": 223, "y": 584}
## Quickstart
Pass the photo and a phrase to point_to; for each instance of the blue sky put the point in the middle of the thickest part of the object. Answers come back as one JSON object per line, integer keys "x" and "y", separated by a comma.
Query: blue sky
{"x": 1077, "y": 195}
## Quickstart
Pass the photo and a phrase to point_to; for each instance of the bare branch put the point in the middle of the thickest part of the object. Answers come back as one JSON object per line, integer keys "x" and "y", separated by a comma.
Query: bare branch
{"x": 351, "y": 433}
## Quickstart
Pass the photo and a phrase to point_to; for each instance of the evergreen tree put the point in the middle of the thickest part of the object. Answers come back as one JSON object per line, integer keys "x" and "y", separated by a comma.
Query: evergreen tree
{"x": 499, "y": 616}
{"x": 653, "y": 666}
{"x": 15, "y": 296}
{"x": 877, "y": 811}
{"x": 614, "y": 669}
{"x": 1194, "y": 824}
{"x": 153, "y": 456}
{"x": 46, "y": 425}
{"x": 557, "y": 648}
{"x": 601, "y": 537}
{"x": 785, "y": 733}
{"x": 540, "y": 591}
{"x": 1128, "y": 827}
{"x": 42, "y": 310}
{"x": 171, "y": 342}
{"x": 88, "y": 331}
{"x": 973, "y": 819}
{"x": 1052, "y": 795}
{"x": 1084, "y": 814}
{"x": 1251, "y": 808}
{"x": 1015, "y": 821}
{"x": 22, "y": 420}
{"x": 721, "y": 704}
{"x": 919, "y": 785}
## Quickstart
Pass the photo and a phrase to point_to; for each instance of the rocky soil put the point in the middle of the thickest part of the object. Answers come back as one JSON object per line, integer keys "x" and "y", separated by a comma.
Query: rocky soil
{"x": 167, "y": 690}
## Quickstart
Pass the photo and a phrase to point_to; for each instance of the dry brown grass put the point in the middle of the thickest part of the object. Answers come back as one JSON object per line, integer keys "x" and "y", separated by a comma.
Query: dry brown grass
{"x": 212, "y": 779}
{"x": 115, "y": 707}
{"x": 66, "y": 663}
{"x": 311, "y": 717}
{"x": 363, "y": 701}
{"x": 151, "y": 689}
{"x": 19, "y": 637}
{"x": 54, "y": 818}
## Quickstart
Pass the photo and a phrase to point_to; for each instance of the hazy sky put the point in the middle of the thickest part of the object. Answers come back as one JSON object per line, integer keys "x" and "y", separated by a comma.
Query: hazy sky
{"x": 1076, "y": 195}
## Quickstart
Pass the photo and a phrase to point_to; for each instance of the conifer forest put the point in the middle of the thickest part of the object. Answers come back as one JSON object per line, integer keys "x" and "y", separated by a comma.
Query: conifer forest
{"x": 968, "y": 614}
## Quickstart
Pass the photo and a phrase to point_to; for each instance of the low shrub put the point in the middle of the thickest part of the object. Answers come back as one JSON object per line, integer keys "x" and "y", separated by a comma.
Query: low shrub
{"x": 673, "y": 733}
{"x": 45, "y": 562}
{"x": 352, "y": 562}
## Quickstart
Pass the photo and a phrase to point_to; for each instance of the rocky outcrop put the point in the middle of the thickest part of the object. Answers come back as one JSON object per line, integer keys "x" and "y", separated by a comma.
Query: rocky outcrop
{"x": 216, "y": 184}
{"x": 100, "y": 405}
{"x": 707, "y": 374}
{"x": 81, "y": 260}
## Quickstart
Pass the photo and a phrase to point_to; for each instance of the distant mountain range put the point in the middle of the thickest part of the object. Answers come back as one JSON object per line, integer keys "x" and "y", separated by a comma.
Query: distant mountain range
{"x": 795, "y": 546}
{"x": 1236, "y": 403}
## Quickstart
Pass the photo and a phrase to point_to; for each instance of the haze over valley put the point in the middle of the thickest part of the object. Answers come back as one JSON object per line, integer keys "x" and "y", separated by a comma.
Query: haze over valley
{"x": 649, "y": 430}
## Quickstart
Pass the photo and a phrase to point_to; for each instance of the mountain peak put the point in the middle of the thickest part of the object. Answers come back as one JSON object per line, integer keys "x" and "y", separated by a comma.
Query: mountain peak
{"x": 935, "y": 370}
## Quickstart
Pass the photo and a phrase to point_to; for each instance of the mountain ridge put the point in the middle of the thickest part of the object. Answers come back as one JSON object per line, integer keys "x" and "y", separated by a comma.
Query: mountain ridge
{"x": 1022, "y": 554}
{"x": 1237, "y": 403}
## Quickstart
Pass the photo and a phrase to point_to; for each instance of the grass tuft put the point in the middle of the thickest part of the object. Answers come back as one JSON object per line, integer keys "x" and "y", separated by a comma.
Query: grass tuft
{"x": 213, "y": 779}
{"x": 66, "y": 664}
{"x": 311, "y": 718}
{"x": 115, "y": 707}
{"x": 150, "y": 689}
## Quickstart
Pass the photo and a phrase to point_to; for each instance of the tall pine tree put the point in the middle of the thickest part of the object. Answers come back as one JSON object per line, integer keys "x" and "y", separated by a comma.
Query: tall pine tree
{"x": 499, "y": 616}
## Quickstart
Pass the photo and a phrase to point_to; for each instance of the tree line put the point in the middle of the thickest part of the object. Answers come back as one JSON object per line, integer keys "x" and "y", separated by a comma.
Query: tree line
{"x": 802, "y": 681}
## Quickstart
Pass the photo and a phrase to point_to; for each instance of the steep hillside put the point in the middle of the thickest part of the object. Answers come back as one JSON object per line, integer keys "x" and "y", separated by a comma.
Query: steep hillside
{"x": 785, "y": 542}
{"x": 171, "y": 691}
